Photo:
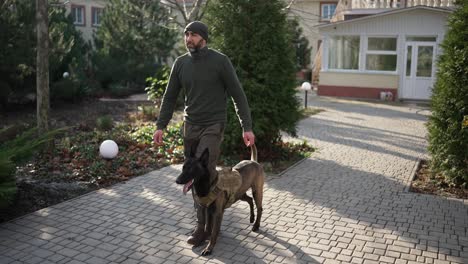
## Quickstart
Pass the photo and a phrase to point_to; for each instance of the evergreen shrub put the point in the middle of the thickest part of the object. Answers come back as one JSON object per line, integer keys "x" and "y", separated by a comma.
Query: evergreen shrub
{"x": 448, "y": 138}
{"x": 257, "y": 37}
{"x": 12, "y": 153}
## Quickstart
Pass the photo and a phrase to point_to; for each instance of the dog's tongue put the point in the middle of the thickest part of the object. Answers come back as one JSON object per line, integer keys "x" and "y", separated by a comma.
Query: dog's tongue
{"x": 187, "y": 187}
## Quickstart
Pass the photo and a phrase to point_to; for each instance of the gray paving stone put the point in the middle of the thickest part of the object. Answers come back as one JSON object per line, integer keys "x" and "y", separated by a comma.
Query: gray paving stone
{"x": 6, "y": 260}
{"x": 67, "y": 252}
{"x": 357, "y": 260}
{"x": 96, "y": 260}
{"x": 346, "y": 204}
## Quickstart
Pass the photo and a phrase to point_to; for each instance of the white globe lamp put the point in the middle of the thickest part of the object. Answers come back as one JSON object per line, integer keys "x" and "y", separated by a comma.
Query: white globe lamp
{"x": 306, "y": 86}
{"x": 108, "y": 149}
{"x": 65, "y": 75}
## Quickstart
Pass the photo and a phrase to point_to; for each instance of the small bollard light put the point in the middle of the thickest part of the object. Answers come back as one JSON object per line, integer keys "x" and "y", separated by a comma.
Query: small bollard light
{"x": 108, "y": 149}
{"x": 306, "y": 86}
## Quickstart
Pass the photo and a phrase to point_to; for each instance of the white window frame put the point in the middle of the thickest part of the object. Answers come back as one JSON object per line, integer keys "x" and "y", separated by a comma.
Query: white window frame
{"x": 94, "y": 16}
{"x": 378, "y": 52}
{"x": 74, "y": 9}
{"x": 328, "y": 50}
{"x": 329, "y": 15}
{"x": 363, "y": 40}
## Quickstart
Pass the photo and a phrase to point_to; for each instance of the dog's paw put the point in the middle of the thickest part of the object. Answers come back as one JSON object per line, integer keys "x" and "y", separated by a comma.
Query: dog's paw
{"x": 206, "y": 252}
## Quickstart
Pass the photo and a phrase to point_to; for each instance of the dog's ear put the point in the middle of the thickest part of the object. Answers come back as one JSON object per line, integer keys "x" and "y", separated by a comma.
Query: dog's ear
{"x": 204, "y": 158}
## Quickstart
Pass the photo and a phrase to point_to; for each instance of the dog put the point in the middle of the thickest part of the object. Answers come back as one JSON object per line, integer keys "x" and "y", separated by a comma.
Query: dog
{"x": 219, "y": 194}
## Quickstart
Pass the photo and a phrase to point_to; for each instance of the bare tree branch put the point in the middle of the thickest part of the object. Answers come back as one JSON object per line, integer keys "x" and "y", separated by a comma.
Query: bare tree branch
{"x": 185, "y": 7}
{"x": 180, "y": 8}
{"x": 290, "y": 4}
{"x": 193, "y": 15}
{"x": 202, "y": 12}
{"x": 190, "y": 10}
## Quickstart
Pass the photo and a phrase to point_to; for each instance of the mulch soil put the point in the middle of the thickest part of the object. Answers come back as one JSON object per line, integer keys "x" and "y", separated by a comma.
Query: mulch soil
{"x": 36, "y": 191}
{"x": 429, "y": 183}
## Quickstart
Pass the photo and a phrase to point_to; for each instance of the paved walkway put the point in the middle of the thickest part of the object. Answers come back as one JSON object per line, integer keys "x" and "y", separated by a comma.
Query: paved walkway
{"x": 347, "y": 204}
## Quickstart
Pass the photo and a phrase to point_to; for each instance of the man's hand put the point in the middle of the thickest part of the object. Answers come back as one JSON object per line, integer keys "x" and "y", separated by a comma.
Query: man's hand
{"x": 249, "y": 138}
{"x": 158, "y": 137}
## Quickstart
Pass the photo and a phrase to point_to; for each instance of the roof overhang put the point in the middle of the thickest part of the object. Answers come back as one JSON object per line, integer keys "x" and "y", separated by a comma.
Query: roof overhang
{"x": 387, "y": 13}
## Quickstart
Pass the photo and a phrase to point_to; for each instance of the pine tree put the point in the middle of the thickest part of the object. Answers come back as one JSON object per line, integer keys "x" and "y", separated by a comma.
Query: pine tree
{"x": 68, "y": 49}
{"x": 18, "y": 52}
{"x": 68, "y": 53}
{"x": 448, "y": 137}
{"x": 303, "y": 50}
{"x": 256, "y": 36}
{"x": 134, "y": 36}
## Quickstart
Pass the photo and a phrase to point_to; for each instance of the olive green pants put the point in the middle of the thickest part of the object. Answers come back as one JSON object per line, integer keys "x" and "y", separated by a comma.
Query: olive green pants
{"x": 201, "y": 138}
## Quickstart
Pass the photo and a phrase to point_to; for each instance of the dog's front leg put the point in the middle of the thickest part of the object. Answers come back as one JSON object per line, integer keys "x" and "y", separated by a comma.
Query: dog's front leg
{"x": 210, "y": 211}
{"x": 216, "y": 219}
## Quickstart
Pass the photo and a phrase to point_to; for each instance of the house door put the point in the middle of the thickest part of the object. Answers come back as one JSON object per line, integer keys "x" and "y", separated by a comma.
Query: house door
{"x": 419, "y": 70}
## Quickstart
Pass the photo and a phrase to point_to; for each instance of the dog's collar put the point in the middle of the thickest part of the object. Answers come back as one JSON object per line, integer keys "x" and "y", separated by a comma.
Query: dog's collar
{"x": 215, "y": 181}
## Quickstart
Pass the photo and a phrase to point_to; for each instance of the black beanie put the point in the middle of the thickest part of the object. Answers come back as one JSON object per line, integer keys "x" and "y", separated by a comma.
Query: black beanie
{"x": 198, "y": 27}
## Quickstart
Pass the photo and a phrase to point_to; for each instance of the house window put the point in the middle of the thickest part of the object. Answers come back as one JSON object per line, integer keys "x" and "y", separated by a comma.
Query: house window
{"x": 327, "y": 10}
{"x": 96, "y": 14}
{"x": 381, "y": 54}
{"x": 343, "y": 53}
{"x": 424, "y": 66}
{"x": 409, "y": 57}
{"x": 78, "y": 15}
{"x": 424, "y": 39}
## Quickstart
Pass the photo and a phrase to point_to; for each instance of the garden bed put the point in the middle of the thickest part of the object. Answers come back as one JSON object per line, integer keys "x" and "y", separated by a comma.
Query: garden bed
{"x": 73, "y": 166}
{"x": 429, "y": 183}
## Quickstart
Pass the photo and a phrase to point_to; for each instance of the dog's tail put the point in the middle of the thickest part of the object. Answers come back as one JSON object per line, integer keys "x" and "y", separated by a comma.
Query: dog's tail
{"x": 253, "y": 155}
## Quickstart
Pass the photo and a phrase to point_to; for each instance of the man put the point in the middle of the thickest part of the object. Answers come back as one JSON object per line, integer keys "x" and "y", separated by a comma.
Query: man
{"x": 207, "y": 78}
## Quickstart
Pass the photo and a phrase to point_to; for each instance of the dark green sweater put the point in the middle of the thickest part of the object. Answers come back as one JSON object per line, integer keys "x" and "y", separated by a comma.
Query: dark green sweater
{"x": 207, "y": 78}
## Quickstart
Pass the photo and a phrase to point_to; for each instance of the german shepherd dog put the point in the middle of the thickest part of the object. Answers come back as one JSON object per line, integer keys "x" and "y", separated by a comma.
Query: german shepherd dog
{"x": 249, "y": 174}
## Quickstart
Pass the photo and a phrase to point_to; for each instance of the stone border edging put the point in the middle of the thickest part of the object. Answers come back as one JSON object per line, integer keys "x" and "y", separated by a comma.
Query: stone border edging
{"x": 412, "y": 175}
{"x": 286, "y": 170}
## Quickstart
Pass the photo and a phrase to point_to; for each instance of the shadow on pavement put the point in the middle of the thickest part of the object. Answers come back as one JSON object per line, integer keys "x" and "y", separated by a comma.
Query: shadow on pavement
{"x": 361, "y": 208}
{"x": 316, "y": 208}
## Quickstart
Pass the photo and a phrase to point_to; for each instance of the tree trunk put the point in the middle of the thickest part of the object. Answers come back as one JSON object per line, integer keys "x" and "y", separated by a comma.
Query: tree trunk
{"x": 42, "y": 71}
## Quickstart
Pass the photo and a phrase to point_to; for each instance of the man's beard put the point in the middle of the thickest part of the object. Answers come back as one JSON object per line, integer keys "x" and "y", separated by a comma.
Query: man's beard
{"x": 195, "y": 47}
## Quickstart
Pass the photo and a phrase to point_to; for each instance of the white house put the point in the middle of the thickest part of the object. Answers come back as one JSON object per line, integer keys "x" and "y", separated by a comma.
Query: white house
{"x": 393, "y": 50}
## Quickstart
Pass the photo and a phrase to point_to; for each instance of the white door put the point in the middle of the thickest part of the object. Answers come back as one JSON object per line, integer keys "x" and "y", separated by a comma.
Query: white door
{"x": 419, "y": 72}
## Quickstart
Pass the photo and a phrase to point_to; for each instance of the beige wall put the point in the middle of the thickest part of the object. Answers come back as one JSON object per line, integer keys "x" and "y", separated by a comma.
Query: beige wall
{"x": 359, "y": 80}
{"x": 88, "y": 29}
{"x": 308, "y": 13}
